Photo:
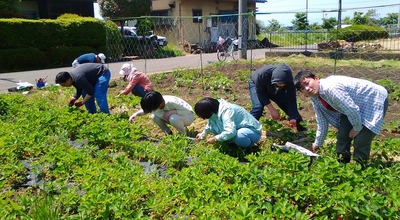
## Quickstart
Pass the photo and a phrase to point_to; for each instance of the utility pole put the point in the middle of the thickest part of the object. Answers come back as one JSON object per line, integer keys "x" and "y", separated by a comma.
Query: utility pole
{"x": 398, "y": 22}
{"x": 307, "y": 24}
{"x": 242, "y": 31}
{"x": 340, "y": 15}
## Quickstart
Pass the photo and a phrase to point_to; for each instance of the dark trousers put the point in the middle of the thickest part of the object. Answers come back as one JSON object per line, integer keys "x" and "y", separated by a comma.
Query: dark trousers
{"x": 362, "y": 142}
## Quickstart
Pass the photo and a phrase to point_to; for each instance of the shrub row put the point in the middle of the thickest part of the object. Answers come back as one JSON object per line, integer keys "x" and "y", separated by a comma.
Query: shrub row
{"x": 50, "y": 43}
{"x": 356, "y": 33}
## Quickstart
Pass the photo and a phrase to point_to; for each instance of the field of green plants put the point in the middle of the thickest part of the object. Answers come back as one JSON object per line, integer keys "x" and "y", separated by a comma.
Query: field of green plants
{"x": 59, "y": 162}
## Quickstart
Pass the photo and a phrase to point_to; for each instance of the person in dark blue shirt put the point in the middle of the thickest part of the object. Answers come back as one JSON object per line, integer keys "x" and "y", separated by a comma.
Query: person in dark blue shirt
{"x": 91, "y": 82}
{"x": 89, "y": 58}
{"x": 274, "y": 82}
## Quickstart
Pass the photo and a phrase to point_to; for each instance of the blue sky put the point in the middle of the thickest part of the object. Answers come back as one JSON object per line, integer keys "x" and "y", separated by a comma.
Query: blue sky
{"x": 284, "y": 10}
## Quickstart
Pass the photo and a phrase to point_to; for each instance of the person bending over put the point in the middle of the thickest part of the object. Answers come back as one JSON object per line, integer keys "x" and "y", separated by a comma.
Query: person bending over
{"x": 228, "y": 122}
{"x": 356, "y": 107}
{"x": 166, "y": 109}
{"x": 91, "y": 82}
{"x": 274, "y": 82}
{"x": 89, "y": 58}
{"x": 139, "y": 83}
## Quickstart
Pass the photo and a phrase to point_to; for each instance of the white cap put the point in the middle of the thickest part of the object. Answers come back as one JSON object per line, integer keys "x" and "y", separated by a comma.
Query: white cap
{"x": 102, "y": 57}
{"x": 127, "y": 68}
{"x": 75, "y": 63}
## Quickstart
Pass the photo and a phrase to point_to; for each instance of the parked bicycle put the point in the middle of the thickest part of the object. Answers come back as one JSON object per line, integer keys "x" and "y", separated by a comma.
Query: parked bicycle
{"x": 227, "y": 48}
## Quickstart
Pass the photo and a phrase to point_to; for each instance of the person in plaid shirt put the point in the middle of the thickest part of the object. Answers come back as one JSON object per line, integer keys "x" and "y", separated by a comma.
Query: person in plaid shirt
{"x": 356, "y": 107}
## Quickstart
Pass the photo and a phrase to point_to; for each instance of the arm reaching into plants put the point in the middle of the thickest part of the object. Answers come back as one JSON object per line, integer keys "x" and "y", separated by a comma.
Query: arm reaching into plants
{"x": 314, "y": 148}
{"x": 71, "y": 101}
{"x": 138, "y": 113}
{"x": 211, "y": 140}
{"x": 274, "y": 113}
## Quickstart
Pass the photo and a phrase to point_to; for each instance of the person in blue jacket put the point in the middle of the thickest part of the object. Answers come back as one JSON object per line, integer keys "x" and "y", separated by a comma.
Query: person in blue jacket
{"x": 274, "y": 82}
{"x": 91, "y": 82}
{"x": 228, "y": 122}
{"x": 89, "y": 58}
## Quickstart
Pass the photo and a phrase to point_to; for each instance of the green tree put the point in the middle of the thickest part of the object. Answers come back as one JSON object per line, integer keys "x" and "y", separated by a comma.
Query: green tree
{"x": 329, "y": 23}
{"x": 300, "y": 21}
{"x": 369, "y": 18}
{"x": 372, "y": 17}
{"x": 273, "y": 25}
{"x": 347, "y": 20}
{"x": 124, "y": 8}
{"x": 314, "y": 26}
{"x": 390, "y": 19}
{"x": 127, "y": 10}
{"x": 9, "y": 8}
{"x": 260, "y": 27}
{"x": 144, "y": 26}
{"x": 358, "y": 18}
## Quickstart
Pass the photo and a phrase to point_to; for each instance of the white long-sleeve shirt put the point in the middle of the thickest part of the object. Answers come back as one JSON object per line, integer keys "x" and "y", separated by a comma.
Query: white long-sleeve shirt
{"x": 171, "y": 103}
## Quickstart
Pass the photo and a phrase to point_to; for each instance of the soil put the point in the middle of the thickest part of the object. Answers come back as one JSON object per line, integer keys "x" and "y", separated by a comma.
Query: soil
{"x": 239, "y": 94}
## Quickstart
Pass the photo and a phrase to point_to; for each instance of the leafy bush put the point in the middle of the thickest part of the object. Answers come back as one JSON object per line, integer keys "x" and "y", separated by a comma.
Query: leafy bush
{"x": 168, "y": 51}
{"x": 68, "y": 16}
{"x": 70, "y": 36}
{"x": 356, "y": 33}
{"x": 25, "y": 57}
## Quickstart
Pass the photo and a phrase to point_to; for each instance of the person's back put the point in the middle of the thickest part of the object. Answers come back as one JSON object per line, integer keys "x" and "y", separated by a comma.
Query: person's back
{"x": 91, "y": 83}
{"x": 90, "y": 71}
{"x": 173, "y": 103}
{"x": 228, "y": 122}
{"x": 241, "y": 117}
{"x": 89, "y": 58}
{"x": 166, "y": 109}
{"x": 139, "y": 82}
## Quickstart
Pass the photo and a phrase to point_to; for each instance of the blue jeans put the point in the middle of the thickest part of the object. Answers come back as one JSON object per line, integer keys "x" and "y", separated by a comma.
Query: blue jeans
{"x": 246, "y": 138}
{"x": 139, "y": 90}
{"x": 258, "y": 107}
{"x": 100, "y": 94}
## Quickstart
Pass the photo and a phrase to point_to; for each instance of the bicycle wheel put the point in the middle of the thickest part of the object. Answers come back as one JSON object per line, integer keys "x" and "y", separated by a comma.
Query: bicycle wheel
{"x": 235, "y": 54}
{"x": 221, "y": 55}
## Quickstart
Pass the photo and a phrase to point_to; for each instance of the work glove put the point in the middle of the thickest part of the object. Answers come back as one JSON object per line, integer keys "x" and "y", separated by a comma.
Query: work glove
{"x": 71, "y": 101}
{"x": 78, "y": 104}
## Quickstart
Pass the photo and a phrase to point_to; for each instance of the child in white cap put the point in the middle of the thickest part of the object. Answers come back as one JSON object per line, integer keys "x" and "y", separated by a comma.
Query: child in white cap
{"x": 89, "y": 58}
{"x": 139, "y": 83}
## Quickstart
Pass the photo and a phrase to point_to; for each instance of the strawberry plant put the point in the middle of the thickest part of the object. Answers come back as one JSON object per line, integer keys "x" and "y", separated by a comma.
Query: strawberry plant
{"x": 98, "y": 166}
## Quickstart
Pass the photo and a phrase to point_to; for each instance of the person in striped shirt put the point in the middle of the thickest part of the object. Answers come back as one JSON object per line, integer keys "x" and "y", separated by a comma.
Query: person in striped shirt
{"x": 356, "y": 107}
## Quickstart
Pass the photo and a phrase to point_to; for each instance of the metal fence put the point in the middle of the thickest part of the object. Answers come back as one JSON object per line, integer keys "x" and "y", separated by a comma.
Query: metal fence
{"x": 196, "y": 43}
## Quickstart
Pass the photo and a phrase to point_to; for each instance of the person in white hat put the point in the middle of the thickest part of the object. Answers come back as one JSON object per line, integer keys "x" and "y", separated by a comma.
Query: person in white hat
{"x": 139, "y": 83}
{"x": 89, "y": 58}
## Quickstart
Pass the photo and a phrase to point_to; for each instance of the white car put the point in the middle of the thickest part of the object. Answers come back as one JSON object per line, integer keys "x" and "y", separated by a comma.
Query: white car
{"x": 131, "y": 32}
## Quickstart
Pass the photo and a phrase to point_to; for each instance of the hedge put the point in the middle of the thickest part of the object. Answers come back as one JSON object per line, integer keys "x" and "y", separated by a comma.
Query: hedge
{"x": 356, "y": 33}
{"x": 54, "y": 43}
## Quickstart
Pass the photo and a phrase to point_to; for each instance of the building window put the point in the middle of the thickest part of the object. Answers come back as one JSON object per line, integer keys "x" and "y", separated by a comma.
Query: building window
{"x": 162, "y": 17}
{"x": 197, "y": 16}
{"x": 160, "y": 13}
